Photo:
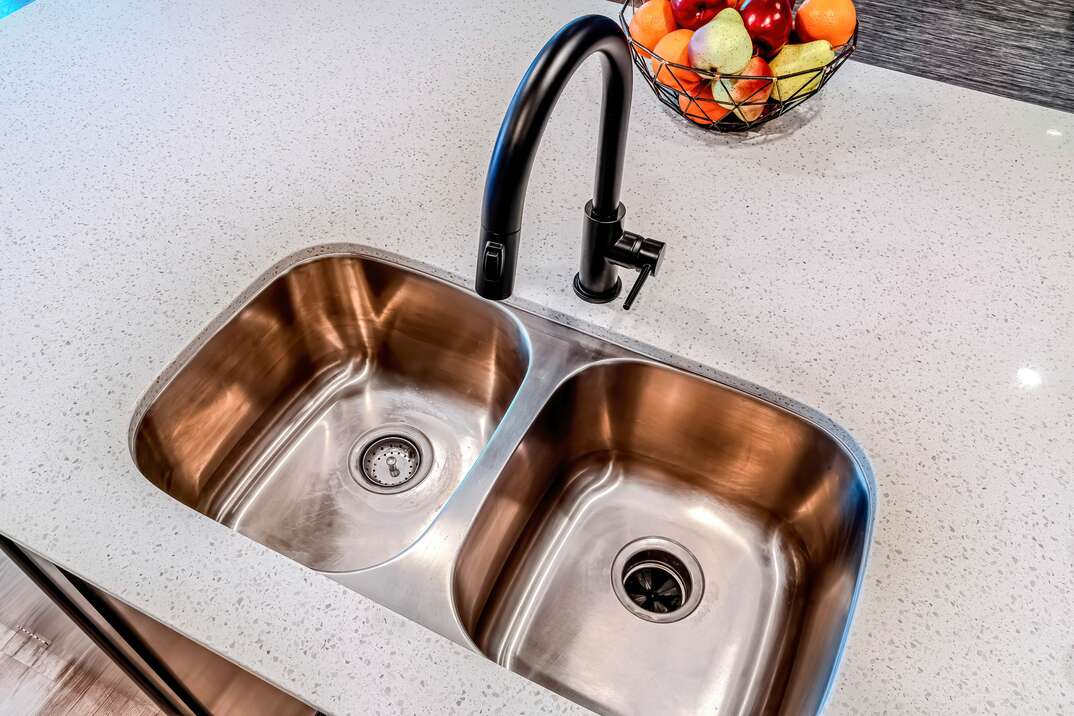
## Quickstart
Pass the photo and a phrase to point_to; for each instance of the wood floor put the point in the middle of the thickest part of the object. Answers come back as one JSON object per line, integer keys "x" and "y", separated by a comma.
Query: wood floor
{"x": 49, "y": 667}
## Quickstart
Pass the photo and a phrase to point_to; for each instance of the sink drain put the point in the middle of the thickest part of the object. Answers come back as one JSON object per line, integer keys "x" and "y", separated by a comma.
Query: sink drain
{"x": 391, "y": 458}
{"x": 657, "y": 579}
{"x": 655, "y": 586}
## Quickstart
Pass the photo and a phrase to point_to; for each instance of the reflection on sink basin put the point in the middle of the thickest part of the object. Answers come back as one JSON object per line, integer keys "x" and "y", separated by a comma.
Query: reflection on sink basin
{"x": 670, "y": 546}
{"x": 637, "y": 538}
{"x": 331, "y": 417}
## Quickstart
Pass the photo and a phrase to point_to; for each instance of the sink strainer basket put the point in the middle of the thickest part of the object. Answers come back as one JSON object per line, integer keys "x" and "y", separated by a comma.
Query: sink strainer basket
{"x": 711, "y": 116}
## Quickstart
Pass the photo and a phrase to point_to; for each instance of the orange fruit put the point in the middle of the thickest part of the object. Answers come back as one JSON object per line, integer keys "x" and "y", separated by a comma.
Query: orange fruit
{"x": 650, "y": 23}
{"x": 673, "y": 49}
{"x": 831, "y": 20}
{"x": 702, "y": 108}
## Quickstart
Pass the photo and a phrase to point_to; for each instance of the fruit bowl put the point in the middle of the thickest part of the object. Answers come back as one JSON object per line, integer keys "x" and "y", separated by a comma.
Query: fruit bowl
{"x": 728, "y": 102}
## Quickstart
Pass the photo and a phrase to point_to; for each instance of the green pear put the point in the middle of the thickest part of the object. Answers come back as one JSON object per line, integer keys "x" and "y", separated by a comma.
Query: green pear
{"x": 722, "y": 46}
{"x": 799, "y": 58}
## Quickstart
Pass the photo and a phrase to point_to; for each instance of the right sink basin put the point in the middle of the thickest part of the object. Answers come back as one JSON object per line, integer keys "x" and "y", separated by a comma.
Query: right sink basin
{"x": 661, "y": 543}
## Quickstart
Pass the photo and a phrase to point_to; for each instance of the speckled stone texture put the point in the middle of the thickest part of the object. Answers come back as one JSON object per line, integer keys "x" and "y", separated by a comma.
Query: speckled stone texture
{"x": 893, "y": 269}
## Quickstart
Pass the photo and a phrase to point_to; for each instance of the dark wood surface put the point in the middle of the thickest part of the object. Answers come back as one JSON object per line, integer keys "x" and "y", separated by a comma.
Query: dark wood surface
{"x": 1022, "y": 50}
{"x": 49, "y": 667}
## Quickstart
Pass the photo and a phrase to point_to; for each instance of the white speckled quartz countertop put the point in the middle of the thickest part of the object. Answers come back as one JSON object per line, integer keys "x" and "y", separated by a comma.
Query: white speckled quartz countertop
{"x": 893, "y": 255}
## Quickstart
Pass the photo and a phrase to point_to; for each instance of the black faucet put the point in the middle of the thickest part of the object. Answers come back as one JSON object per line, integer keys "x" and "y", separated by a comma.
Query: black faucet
{"x": 605, "y": 245}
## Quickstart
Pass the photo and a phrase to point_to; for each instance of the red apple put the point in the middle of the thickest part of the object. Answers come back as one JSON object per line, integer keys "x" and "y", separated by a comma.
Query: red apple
{"x": 692, "y": 14}
{"x": 746, "y": 96}
{"x": 768, "y": 22}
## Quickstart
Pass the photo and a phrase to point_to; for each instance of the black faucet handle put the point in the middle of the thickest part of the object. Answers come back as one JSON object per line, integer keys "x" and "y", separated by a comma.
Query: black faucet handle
{"x": 646, "y": 271}
{"x": 639, "y": 253}
{"x": 635, "y": 251}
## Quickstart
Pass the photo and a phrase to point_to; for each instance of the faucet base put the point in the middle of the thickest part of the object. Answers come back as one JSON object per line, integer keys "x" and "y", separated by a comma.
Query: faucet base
{"x": 602, "y": 297}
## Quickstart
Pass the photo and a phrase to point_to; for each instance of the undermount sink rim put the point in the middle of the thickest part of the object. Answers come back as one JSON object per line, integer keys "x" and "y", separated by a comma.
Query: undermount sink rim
{"x": 522, "y": 313}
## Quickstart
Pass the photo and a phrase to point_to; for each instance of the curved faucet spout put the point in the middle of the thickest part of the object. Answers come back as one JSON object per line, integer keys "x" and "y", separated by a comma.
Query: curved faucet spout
{"x": 516, "y": 146}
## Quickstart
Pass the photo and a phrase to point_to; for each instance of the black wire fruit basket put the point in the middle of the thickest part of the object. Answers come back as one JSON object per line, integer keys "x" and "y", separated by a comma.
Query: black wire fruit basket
{"x": 774, "y": 96}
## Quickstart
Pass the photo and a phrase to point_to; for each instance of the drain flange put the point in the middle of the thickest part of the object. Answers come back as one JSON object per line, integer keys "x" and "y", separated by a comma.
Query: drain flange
{"x": 657, "y": 579}
{"x": 390, "y": 459}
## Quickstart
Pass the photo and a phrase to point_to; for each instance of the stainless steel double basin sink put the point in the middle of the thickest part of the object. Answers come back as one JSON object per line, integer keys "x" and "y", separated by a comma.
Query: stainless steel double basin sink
{"x": 637, "y": 537}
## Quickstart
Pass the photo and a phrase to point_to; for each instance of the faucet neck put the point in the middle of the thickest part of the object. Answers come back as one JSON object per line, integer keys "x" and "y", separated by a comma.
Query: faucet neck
{"x": 605, "y": 245}
{"x": 532, "y": 104}
{"x": 520, "y": 135}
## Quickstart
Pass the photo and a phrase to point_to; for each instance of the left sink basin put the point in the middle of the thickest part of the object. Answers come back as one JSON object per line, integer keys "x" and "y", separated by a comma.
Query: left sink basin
{"x": 331, "y": 416}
